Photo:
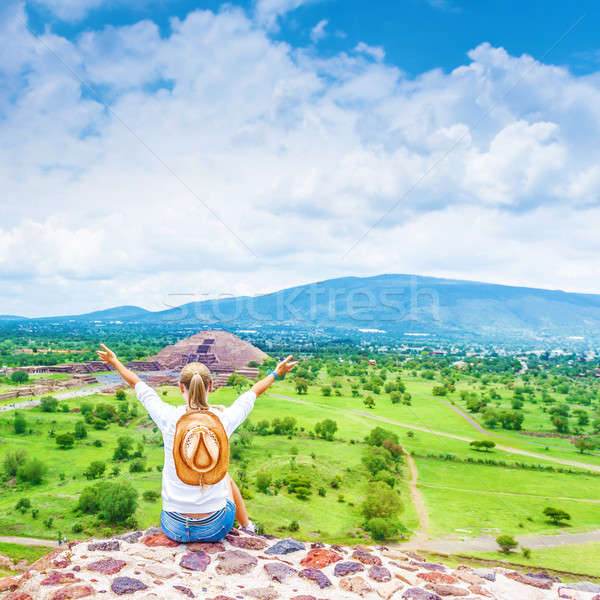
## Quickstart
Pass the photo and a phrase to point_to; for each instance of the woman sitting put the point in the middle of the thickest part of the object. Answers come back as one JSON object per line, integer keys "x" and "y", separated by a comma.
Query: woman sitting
{"x": 200, "y": 501}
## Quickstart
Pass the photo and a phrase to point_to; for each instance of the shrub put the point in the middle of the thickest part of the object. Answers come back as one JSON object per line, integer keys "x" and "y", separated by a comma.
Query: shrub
{"x": 151, "y": 495}
{"x": 23, "y": 505}
{"x": 77, "y": 528}
{"x": 95, "y": 469}
{"x": 294, "y": 526}
{"x": 124, "y": 446}
{"x": 116, "y": 501}
{"x": 263, "y": 481}
{"x": 98, "y": 443}
{"x": 34, "y": 513}
{"x": 65, "y": 440}
{"x": 526, "y": 552}
{"x": 12, "y": 460}
{"x": 381, "y": 501}
{"x": 137, "y": 466}
{"x": 376, "y": 459}
{"x": 49, "y": 404}
{"x": 335, "y": 482}
{"x": 322, "y": 491}
{"x": 86, "y": 408}
{"x": 19, "y": 423}
{"x": 80, "y": 430}
{"x": 326, "y": 429}
{"x": 386, "y": 477}
{"x": 506, "y": 543}
{"x": 48, "y": 522}
{"x": 383, "y": 529}
{"x": 106, "y": 412}
{"x": 32, "y": 471}
{"x": 120, "y": 395}
{"x": 99, "y": 423}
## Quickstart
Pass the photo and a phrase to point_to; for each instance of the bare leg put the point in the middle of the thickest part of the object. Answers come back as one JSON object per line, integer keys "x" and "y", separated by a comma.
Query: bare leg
{"x": 241, "y": 514}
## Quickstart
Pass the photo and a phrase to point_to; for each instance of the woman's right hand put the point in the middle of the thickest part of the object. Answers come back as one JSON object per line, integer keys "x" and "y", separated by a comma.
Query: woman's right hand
{"x": 107, "y": 356}
{"x": 285, "y": 366}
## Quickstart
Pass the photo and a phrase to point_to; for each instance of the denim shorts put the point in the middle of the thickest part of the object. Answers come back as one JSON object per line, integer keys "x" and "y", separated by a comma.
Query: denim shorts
{"x": 214, "y": 528}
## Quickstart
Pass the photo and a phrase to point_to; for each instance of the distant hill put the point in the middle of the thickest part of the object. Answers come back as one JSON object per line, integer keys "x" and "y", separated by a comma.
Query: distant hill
{"x": 393, "y": 303}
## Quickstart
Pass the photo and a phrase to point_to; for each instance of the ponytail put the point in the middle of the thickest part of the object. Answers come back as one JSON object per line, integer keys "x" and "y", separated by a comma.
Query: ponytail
{"x": 196, "y": 379}
{"x": 197, "y": 393}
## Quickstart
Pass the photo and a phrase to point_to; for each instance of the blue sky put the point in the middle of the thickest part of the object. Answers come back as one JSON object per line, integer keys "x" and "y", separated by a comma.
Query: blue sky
{"x": 417, "y": 35}
{"x": 154, "y": 149}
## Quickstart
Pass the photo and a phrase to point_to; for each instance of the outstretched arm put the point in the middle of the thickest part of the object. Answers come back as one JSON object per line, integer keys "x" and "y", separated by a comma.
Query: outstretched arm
{"x": 110, "y": 358}
{"x": 285, "y": 366}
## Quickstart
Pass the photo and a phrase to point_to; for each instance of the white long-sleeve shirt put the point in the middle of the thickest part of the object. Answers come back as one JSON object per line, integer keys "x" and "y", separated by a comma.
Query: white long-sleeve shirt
{"x": 176, "y": 495}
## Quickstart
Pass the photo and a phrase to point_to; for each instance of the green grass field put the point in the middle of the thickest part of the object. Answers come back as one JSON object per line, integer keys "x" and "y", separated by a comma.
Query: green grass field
{"x": 461, "y": 499}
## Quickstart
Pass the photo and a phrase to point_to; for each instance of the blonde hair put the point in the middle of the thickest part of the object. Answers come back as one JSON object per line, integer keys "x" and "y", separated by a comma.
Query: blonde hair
{"x": 196, "y": 379}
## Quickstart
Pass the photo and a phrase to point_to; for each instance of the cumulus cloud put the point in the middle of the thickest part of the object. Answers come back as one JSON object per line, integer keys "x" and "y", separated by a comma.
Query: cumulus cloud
{"x": 69, "y": 10}
{"x": 482, "y": 173}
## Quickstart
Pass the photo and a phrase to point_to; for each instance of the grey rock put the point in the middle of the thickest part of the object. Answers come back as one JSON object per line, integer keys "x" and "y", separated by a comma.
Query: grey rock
{"x": 428, "y": 566}
{"x": 195, "y": 561}
{"x": 347, "y": 568}
{"x": 107, "y": 546}
{"x": 317, "y": 576}
{"x": 131, "y": 537}
{"x": 127, "y": 585}
{"x": 285, "y": 547}
{"x": 185, "y": 591}
{"x": 236, "y": 562}
{"x": 380, "y": 574}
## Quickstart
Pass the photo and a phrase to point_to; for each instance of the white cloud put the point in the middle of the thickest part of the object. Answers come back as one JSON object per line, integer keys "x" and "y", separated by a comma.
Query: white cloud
{"x": 376, "y": 52}
{"x": 267, "y": 12}
{"x": 318, "y": 32}
{"x": 489, "y": 172}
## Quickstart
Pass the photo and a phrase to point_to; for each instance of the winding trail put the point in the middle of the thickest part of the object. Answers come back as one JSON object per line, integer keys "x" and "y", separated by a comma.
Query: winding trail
{"x": 418, "y": 501}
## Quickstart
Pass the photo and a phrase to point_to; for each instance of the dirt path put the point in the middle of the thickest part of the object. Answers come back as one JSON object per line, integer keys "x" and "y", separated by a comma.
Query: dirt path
{"x": 27, "y": 541}
{"x": 561, "y": 461}
{"x": 418, "y": 501}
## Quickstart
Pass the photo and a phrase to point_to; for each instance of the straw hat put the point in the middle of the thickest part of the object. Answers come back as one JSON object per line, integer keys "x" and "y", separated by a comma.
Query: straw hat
{"x": 200, "y": 448}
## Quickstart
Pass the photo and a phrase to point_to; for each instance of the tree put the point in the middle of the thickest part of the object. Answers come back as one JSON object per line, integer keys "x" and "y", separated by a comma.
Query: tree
{"x": 561, "y": 424}
{"x": 86, "y": 408}
{"x": 301, "y": 385}
{"x": 491, "y": 418}
{"x": 376, "y": 459}
{"x": 585, "y": 443}
{"x": 19, "y": 423}
{"x": 483, "y": 445}
{"x": 124, "y": 445}
{"x": 49, "y": 404}
{"x": 383, "y": 529}
{"x": 556, "y": 516}
{"x": 326, "y": 429}
{"x": 65, "y": 440}
{"x": 80, "y": 430}
{"x": 326, "y": 390}
{"x": 19, "y": 377}
{"x": 106, "y": 412}
{"x": 121, "y": 395}
{"x": 262, "y": 427}
{"x": 378, "y": 435}
{"x": 506, "y": 543}
{"x": 369, "y": 402}
{"x": 95, "y": 469}
{"x": 395, "y": 397}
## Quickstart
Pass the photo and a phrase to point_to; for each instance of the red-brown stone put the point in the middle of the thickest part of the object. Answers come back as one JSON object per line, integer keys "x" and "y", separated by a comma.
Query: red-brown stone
{"x": 477, "y": 589}
{"x": 444, "y": 589}
{"x": 320, "y": 558}
{"x": 9, "y": 583}
{"x": 56, "y": 578}
{"x": 17, "y": 595}
{"x": 208, "y": 547}
{"x": 71, "y": 592}
{"x": 544, "y": 584}
{"x": 436, "y": 577}
{"x": 158, "y": 539}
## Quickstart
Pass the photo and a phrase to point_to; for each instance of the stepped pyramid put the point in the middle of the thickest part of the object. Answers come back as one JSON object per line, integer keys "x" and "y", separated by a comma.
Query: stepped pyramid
{"x": 222, "y": 352}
